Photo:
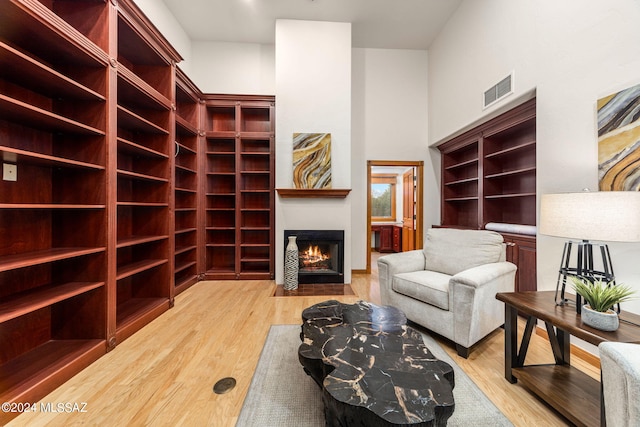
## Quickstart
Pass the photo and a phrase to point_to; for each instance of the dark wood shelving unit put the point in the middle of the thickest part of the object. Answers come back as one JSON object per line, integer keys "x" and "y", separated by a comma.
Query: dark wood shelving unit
{"x": 240, "y": 180}
{"x": 460, "y": 182}
{"x": 489, "y": 176}
{"x": 131, "y": 186}
{"x": 54, "y": 217}
{"x": 144, "y": 172}
{"x": 509, "y": 169}
{"x": 188, "y": 255}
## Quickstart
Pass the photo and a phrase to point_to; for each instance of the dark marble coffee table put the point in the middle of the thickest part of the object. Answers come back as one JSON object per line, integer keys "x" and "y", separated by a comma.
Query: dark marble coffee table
{"x": 374, "y": 370}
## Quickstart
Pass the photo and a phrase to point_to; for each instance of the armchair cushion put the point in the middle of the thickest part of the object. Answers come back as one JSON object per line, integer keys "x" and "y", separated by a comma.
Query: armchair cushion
{"x": 450, "y": 251}
{"x": 427, "y": 286}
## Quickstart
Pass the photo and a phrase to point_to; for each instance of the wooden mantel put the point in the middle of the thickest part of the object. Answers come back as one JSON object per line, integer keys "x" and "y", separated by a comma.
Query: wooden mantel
{"x": 312, "y": 193}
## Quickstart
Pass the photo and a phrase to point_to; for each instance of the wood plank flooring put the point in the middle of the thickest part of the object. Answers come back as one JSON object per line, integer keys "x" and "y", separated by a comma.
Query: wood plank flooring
{"x": 164, "y": 374}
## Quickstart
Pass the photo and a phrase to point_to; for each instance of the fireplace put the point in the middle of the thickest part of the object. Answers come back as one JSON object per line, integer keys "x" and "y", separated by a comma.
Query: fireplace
{"x": 320, "y": 255}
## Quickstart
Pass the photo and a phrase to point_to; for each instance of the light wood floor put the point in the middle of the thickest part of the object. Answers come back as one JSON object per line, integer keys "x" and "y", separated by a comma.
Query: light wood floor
{"x": 164, "y": 374}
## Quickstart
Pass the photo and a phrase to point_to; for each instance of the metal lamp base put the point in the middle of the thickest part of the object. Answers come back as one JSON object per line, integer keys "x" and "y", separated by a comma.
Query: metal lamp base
{"x": 584, "y": 269}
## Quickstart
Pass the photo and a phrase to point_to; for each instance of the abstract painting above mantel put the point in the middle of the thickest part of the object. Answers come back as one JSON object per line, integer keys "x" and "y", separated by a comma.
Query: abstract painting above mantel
{"x": 312, "y": 160}
{"x": 619, "y": 141}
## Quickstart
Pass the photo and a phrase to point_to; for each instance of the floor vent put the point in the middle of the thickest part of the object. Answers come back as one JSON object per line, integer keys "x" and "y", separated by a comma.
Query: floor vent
{"x": 498, "y": 91}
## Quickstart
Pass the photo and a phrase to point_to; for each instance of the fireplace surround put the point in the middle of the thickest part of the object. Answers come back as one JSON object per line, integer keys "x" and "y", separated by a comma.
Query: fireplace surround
{"x": 320, "y": 255}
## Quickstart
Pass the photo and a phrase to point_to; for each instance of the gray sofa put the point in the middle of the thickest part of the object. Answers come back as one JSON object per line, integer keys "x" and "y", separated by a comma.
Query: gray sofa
{"x": 449, "y": 287}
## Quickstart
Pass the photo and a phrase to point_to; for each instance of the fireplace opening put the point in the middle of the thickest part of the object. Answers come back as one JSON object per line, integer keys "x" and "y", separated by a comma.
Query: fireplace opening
{"x": 320, "y": 255}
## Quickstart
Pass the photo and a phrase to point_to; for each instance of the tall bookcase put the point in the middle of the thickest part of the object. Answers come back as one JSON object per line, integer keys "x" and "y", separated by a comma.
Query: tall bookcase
{"x": 489, "y": 176}
{"x": 240, "y": 203}
{"x": 54, "y": 217}
{"x": 188, "y": 254}
{"x": 122, "y": 186}
{"x": 145, "y": 148}
{"x": 87, "y": 138}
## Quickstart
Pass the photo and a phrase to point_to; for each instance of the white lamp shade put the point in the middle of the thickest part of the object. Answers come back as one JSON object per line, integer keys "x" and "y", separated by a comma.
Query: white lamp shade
{"x": 612, "y": 216}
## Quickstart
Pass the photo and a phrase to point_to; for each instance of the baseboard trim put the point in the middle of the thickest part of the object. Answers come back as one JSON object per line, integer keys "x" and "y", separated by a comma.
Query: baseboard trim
{"x": 358, "y": 271}
{"x": 591, "y": 359}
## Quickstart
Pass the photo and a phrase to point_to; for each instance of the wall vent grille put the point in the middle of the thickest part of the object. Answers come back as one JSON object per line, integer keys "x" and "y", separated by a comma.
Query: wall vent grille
{"x": 498, "y": 91}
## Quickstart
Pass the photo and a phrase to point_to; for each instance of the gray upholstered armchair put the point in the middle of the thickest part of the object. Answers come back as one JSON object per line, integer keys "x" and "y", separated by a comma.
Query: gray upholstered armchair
{"x": 450, "y": 286}
{"x": 620, "y": 368}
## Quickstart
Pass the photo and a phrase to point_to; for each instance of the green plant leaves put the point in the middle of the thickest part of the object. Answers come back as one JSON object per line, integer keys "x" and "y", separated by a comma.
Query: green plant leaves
{"x": 600, "y": 295}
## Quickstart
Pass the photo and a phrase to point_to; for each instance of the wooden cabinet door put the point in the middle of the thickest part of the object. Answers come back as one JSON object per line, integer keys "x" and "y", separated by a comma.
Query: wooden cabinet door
{"x": 386, "y": 239}
{"x": 521, "y": 250}
{"x": 408, "y": 211}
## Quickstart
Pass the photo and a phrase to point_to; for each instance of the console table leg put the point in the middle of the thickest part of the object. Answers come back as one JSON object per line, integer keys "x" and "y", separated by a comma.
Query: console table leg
{"x": 510, "y": 341}
{"x": 565, "y": 345}
{"x": 560, "y": 344}
{"x": 526, "y": 339}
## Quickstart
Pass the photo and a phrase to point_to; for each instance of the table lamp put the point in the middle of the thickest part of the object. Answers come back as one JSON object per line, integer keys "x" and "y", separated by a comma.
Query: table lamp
{"x": 611, "y": 216}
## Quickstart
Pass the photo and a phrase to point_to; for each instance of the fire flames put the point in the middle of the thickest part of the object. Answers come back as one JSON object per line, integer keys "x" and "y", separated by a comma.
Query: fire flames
{"x": 314, "y": 258}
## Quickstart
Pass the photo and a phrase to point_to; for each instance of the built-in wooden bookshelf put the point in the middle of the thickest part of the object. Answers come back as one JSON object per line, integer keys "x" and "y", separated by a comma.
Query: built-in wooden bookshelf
{"x": 145, "y": 158}
{"x": 461, "y": 183}
{"x": 489, "y": 172}
{"x": 122, "y": 186}
{"x": 54, "y": 214}
{"x": 240, "y": 180}
{"x": 489, "y": 176}
{"x": 188, "y": 262}
{"x": 87, "y": 134}
{"x": 509, "y": 171}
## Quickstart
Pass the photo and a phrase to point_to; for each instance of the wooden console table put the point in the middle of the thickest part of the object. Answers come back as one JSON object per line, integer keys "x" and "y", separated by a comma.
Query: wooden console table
{"x": 571, "y": 392}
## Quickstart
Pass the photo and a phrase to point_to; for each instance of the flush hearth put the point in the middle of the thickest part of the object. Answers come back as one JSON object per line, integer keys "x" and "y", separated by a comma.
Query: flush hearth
{"x": 320, "y": 255}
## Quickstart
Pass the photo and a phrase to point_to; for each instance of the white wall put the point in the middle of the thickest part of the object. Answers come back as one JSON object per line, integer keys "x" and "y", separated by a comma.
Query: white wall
{"x": 389, "y": 114}
{"x": 216, "y": 67}
{"x": 166, "y": 23}
{"x": 313, "y": 94}
{"x": 389, "y": 123}
{"x": 389, "y": 107}
{"x": 237, "y": 68}
{"x": 571, "y": 53}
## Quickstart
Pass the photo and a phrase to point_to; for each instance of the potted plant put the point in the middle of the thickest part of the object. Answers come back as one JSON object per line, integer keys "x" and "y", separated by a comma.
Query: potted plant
{"x": 600, "y": 297}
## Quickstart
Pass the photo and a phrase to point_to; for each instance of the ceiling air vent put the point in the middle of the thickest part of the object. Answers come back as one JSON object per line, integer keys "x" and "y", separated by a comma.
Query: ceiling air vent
{"x": 498, "y": 91}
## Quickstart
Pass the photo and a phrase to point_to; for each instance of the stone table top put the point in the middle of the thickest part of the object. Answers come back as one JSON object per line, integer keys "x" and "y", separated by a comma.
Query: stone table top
{"x": 373, "y": 368}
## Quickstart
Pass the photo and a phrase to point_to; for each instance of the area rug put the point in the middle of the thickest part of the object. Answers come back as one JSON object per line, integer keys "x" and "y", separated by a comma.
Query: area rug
{"x": 281, "y": 394}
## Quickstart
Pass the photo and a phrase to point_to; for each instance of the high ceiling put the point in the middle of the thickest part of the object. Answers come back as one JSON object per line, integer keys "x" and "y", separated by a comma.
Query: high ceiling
{"x": 385, "y": 24}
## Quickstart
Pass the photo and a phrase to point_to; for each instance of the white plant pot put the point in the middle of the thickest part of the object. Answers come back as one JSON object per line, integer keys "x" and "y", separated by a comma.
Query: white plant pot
{"x": 607, "y": 321}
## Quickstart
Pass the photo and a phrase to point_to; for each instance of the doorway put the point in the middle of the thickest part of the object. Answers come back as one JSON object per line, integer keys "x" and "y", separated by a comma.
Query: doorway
{"x": 408, "y": 217}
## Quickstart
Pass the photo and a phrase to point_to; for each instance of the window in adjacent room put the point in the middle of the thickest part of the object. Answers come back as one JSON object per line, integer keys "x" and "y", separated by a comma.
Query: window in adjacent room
{"x": 383, "y": 197}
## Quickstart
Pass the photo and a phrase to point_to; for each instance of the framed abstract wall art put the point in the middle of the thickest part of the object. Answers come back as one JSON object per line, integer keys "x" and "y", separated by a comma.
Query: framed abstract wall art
{"x": 619, "y": 141}
{"x": 312, "y": 160}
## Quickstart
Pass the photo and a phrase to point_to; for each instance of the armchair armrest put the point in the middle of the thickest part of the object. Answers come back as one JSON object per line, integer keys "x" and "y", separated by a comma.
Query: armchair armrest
{"x": 473, "y": 294}
{"x": 483, "y": 274}
{"x": 403, "y": 262}
{"x": 392, "y": 264}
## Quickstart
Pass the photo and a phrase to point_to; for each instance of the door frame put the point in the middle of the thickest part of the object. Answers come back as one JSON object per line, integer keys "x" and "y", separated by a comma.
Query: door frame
{"x": 419, "y": 165}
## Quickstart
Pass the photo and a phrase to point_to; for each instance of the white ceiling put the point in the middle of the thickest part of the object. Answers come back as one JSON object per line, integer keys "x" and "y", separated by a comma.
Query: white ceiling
{"x": 385, "y": 24}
